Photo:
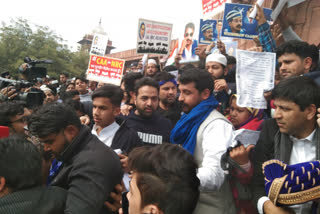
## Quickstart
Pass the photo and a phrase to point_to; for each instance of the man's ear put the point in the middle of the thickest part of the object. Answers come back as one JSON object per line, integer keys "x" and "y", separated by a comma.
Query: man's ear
{"x": 205, "y": 94}
{"x": 311, "y": 112}
{"x": 71, "y": 132}
{"x": 151, "y": 209}
{"x": 134, "y": 96}
{"x": 307, "y": 62}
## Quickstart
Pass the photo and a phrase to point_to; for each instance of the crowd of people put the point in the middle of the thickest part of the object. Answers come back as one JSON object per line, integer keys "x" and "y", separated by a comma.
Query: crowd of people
{"x": 163, "y": 142}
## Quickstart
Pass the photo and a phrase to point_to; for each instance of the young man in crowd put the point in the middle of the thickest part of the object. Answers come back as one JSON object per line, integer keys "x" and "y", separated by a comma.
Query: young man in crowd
{"x": 21, "y": 190}
{"x": 168, "y": 104}
{"x": 216, "y": 65}
{"x": 292, "y": 136}
{"x": 206, "y": 134}
{"x": 50, "y": 93}
{"x": 165, "y": 180}
{"x": 295, "y": 58}
{"x": 63, "y": 82}
{"x": 152, "y": 68}
{"x": 82, "y": 87}
{"x": 13, "y": 114}
{"x": 89, "y": 170}
{"x": 115, "y": 134}
{"x": 151, "y": 127}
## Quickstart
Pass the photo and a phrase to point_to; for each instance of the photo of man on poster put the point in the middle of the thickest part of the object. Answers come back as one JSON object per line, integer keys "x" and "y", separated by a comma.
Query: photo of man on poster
{"x": 142, "y": 30}
{"x": 234, "y": 18}
{"x": 188, "y": 45}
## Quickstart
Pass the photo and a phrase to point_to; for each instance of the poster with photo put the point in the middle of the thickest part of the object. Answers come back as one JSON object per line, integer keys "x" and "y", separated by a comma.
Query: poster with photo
{"x": 153, "y": 37}
{"x": 208, "y": 31}
{"x": 236, "y": 22}
{"x": 231, "y": 47}
{"x": 99, "y": 44}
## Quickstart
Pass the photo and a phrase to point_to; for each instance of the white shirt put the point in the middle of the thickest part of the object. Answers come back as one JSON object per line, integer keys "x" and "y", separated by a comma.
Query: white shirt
{"x": 303, "y": 150}
{"x": 107, "y": 133}
{"x": 217, "y": 137}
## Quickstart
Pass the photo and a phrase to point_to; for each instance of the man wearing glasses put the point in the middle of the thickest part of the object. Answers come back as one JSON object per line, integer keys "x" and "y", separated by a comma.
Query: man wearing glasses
{"x": 13, "y": 114}
{"x": 188, "y": 46}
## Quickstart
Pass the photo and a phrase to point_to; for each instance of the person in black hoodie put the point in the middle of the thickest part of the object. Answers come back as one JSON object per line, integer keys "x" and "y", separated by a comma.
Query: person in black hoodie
{"x": 151, "y": 127}
{"x": 90, "y": 170}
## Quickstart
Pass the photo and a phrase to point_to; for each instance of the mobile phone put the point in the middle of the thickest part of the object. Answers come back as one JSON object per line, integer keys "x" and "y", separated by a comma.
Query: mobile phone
{"x": 125, "y": 203}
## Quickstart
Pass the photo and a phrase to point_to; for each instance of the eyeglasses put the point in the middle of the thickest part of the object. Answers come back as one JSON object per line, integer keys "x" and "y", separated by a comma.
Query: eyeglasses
{"x": 187, "y": 34}
{"x": 21, "y": 120}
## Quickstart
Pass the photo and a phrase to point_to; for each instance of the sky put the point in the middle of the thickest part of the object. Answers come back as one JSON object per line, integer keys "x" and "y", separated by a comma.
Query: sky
{"x": 72, "y": 19}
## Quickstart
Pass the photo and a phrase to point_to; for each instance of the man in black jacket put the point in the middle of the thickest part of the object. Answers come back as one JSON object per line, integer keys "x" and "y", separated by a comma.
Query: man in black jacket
{"x": 89, "y": 171}
{"x": 292, "y": 136}
{"x": 21, "y": 191}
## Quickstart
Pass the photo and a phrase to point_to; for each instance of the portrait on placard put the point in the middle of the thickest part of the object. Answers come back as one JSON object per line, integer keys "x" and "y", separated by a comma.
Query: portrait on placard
{"x": 208, "y": 31}
{"x": 236, "y": 21}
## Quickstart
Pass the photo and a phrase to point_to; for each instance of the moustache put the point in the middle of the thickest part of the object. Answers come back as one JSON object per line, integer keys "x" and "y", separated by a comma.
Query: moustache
{"x": 239, "y": 26}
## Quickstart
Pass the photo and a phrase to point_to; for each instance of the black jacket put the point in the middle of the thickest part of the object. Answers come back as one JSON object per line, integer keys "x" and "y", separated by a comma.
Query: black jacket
{"x": 90, "y": 171}
{"x": 37, "y": 200}
{"x": 125, "y": 138}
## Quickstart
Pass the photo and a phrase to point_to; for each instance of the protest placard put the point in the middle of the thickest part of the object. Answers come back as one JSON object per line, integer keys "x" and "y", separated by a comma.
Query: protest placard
{"x": 231, "y": 47}
{"x": 105, "y": 69}
{"x": 99, "y": 44}
{"x": 153, "y": 37}
{"x": 211, "y": 8}
{"x": 208, "y": 31}
{"x": 186, "y": 45}
{"x": 254, "y": 76}
{"x": 236, "y": 21}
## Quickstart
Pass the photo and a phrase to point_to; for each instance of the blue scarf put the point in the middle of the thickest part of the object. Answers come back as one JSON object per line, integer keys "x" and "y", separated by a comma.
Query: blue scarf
{"x": 185, "y": 131}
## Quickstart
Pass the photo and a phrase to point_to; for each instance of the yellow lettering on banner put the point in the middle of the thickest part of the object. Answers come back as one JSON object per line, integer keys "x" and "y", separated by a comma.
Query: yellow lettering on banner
{"x": 102, "y": 61}
{"x": 116, "y": 64}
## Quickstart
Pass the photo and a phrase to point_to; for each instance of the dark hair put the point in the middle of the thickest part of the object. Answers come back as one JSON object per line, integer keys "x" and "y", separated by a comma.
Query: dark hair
{"x": 186, "y": 67}
{"x": 69, "y": 95}
{"x": 10, "y": 109}
{"x": 129, "y": 81}
{"x": 163, "y": 76}
{"x": 65, "y": 74}
{"x": 152, "y": 190}
{"x": 20, "y": 163}
{"x": 300, "y": 48}
{"x": 189, "y": 25}
{"x": 301, "y": 90}
{"x": 113, "y": 92}
{"x": 82, "y": 79}
{"x": 53, "y": 89}
{"x": 71, "y": 83}
{"x": 75, "y": 104}
{"x": 146, "y": 81}
{"x": 231, "y": 60}
{"x": 176, "y": 168}
{"x": 51, "y": 119}
{"x": 169, "y": 68}
{"x": 201, "y": 78}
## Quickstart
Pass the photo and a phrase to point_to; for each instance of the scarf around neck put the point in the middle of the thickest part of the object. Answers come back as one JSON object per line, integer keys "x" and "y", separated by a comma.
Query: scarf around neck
{"x": 185, "y": 131}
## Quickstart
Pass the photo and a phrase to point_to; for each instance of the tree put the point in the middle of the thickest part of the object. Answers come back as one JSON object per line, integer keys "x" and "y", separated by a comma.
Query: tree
{"x": 18, "y": 40}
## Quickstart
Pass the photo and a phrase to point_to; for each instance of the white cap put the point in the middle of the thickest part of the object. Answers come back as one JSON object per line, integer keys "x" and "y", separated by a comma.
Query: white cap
{"x": 217, "y": 58}
{"x": 152, "y": 61}
{"x": 45, "y": 88}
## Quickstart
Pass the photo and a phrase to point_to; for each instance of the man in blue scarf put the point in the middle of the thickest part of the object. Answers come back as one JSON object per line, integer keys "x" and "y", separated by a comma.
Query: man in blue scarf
{"x": 206, "y": 134}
